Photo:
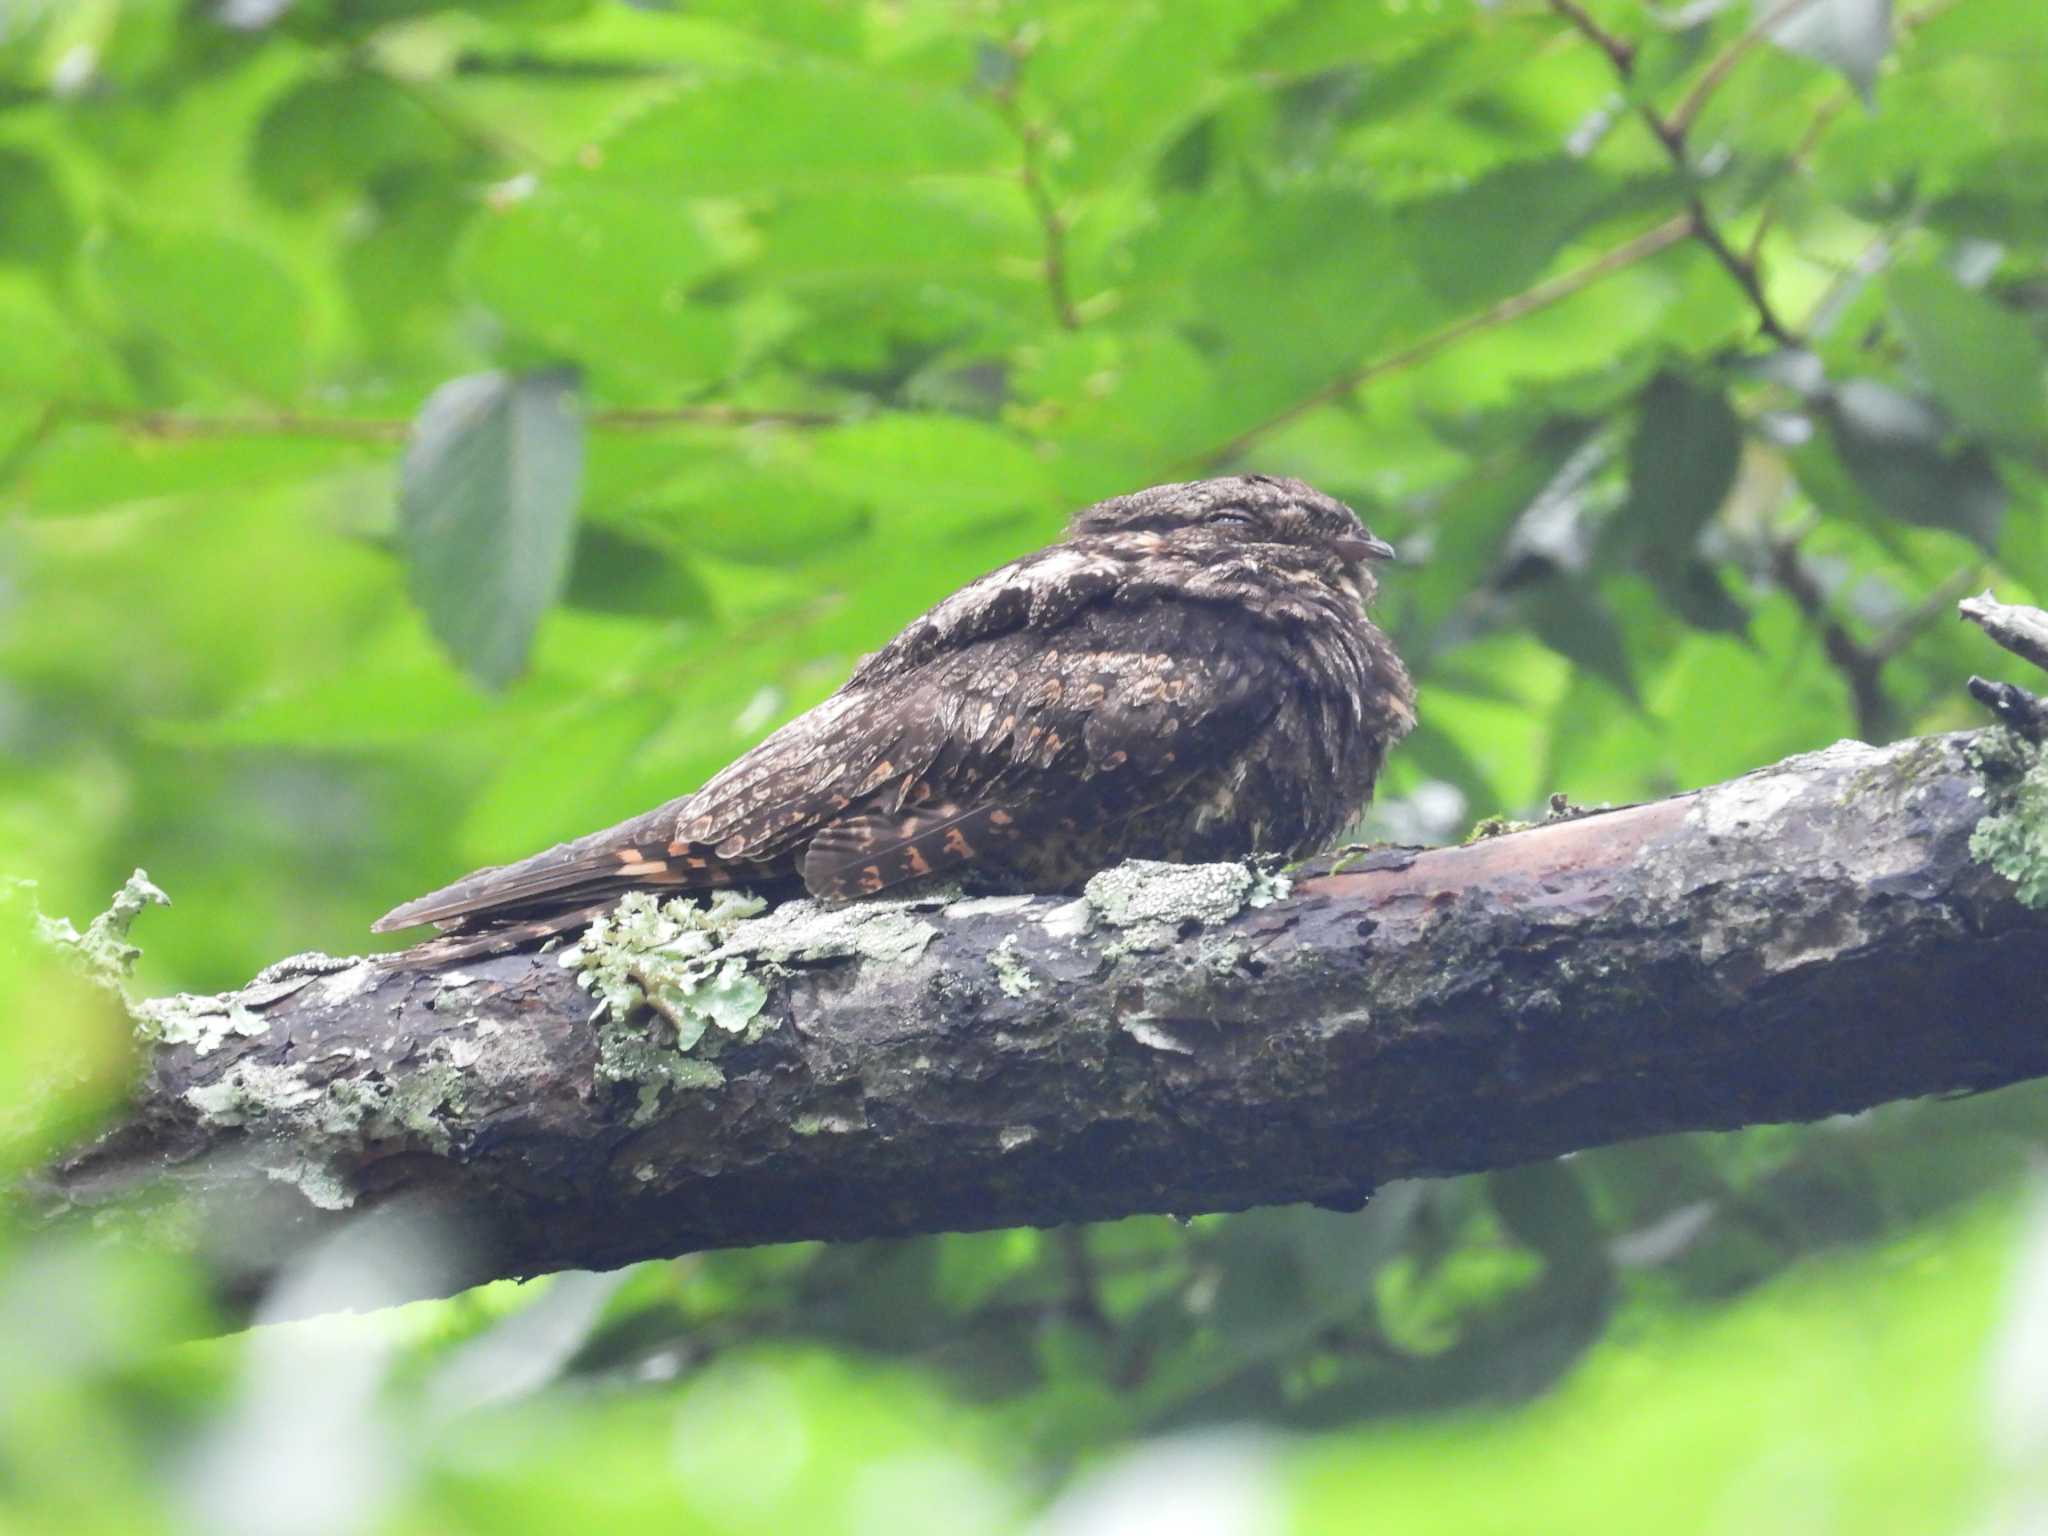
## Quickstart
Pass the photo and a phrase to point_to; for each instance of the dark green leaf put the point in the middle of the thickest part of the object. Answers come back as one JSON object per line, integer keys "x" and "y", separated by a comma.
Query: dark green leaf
{"x": 1570, "y": 616}
{"x": 1498, "y": 234}
{"x": 1980, "y": 359}
{"x": 618, "y": 571}
{"x": 1681, "y": 466}
{"x": 487, "y": 512}
{"x": 37, "y": 226}
{"x": 1896, "y": 452}
{"x": 328, "y": 135}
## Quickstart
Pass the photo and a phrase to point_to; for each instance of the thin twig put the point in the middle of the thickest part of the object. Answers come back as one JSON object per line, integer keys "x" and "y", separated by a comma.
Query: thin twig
{"x": 1620, "y": 53}
{"x": 1802, "y": 152}
{"x": 178, "y": 425}
{"x": 1859, "y": 669}
{"x": 1510, "y": 309}
{"x": 1671, "y": 134}
{"x": 1909, "y": 625}
{"x": 1862, "y": 662}
{"x": 1723, "y": 64}
{"x": 1053, "y": 225}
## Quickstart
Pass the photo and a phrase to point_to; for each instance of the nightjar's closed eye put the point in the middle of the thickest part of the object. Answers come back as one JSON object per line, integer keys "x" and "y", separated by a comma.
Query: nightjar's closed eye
{"x": 1232, "y": 515}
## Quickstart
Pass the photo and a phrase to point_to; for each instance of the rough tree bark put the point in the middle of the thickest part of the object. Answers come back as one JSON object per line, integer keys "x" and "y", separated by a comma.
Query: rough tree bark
{"x": 1810, "y": 939}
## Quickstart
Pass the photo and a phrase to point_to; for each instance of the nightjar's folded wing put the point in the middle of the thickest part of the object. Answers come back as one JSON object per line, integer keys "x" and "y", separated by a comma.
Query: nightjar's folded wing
{"x": 1031, "y": 703}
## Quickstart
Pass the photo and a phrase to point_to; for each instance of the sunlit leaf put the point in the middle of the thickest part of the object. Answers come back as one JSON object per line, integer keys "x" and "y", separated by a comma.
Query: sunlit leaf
{"x": 220, "y": 303}
{"x": 801, "y": 128}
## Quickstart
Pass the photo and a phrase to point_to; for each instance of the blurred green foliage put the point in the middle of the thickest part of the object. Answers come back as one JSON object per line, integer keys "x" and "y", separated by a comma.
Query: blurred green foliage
{"x": 427, "y": 431}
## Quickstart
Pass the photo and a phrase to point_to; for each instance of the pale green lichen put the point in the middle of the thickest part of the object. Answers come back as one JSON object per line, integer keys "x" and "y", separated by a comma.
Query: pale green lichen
{"x": 1149, "y": 902}
{"x": 678, "y": 981}
{"x": 662, "y": 982}
{"x": 102, "y": 954}
{"x": 250, "y": 1092}
{"x": 1013, "y": 976}
{"x": 313, "y": 1128}
{"x": 204, "y": 1023}
{"x": 826, "y": 1125}
{"x": 805, "y": 931}
{"x": 2013, "y": 839}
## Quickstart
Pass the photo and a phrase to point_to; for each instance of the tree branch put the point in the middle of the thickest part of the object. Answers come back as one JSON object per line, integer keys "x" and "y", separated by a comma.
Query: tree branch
{"x": 1801, "y": 942}
{"x": 182, "y": 425}
{"x": 1670, "y": 132}
{"x": 1052, "y": 223}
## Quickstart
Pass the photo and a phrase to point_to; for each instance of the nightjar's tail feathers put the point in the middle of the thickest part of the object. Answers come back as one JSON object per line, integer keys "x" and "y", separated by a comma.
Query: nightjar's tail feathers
{"x": 461, "y": 943}
{"x": 865, "y": 854}
{"x": 634, "y": 854}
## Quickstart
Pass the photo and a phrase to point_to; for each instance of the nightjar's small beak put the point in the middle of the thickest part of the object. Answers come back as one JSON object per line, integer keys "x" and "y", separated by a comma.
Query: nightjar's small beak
{"x": 1364, "y": 547}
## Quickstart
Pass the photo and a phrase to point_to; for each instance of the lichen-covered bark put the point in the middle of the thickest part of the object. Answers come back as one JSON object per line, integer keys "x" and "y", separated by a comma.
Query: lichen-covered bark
{"x": 1810, "y": 939}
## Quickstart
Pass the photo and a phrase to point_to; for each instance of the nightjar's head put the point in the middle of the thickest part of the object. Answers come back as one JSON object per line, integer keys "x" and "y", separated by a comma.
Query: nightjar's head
{"x": 1281, "y": 522}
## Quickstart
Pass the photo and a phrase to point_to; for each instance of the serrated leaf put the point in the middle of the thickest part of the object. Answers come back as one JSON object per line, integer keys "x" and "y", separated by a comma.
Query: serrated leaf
{"x": 1852, "y": 36}
{"x": 487, "y": 512}
{"x": 1981, "y": 361}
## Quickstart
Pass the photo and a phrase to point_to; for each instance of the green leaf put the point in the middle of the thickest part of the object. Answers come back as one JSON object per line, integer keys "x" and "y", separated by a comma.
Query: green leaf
{"x": 1571, "y": 617}
{"x": 37, "y": 226}
{"x": 802, "y": 127}
{"x": 604, "y": 276}
{"x": 487, "y": 510}
{"x": 926, "y": 475}
{"x": 1895, "y": 450}
{"x": 1681, "y": 464}
{"x": 1497, "y": 235}
{"x": 1999, "y": 195}
{"x": 219, "y": 302}
{"x": 328, "y": 135}
{"x": 1982, "y": 361}
{"x": 86, "y": 466}
{"x": 618, "y": 571}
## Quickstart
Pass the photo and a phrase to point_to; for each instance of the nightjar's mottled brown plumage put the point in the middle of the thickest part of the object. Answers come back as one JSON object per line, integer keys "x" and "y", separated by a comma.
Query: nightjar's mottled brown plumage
{"x": 1188, "y": 675}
